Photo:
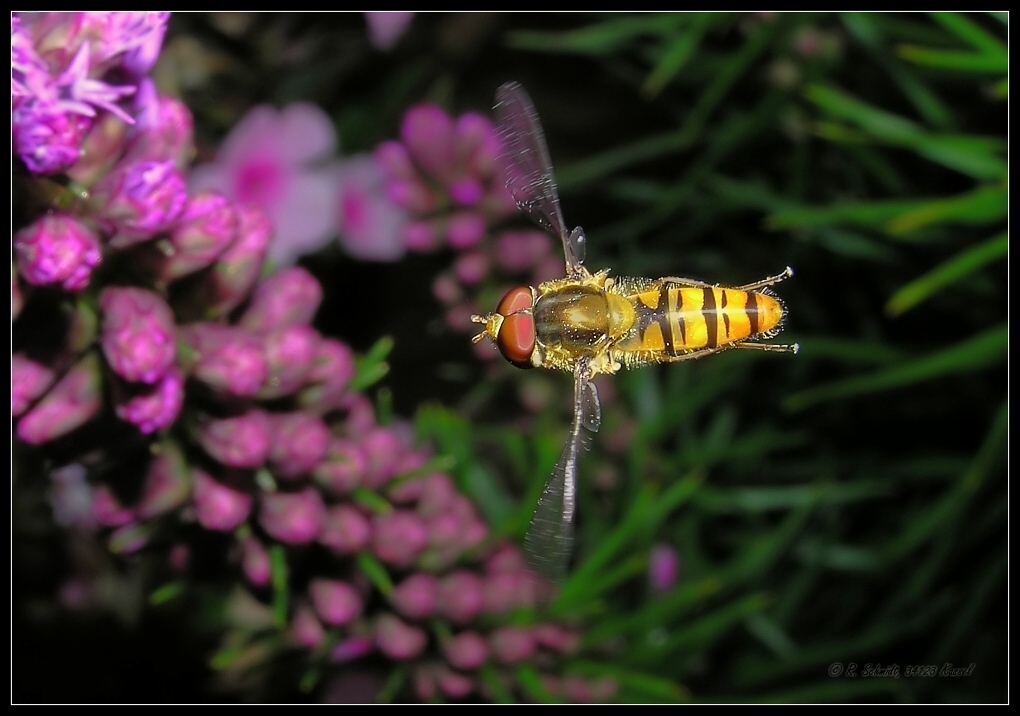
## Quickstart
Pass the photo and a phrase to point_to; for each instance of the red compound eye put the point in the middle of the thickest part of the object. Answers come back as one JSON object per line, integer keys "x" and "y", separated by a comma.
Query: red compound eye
{"x": 516, "y": 340}
{"x": 516, "y": 299}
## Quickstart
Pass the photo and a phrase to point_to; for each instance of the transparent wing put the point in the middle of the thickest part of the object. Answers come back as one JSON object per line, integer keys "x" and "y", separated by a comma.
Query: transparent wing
{"x": 550, "y": 539}
{"x": 529, "y": 176}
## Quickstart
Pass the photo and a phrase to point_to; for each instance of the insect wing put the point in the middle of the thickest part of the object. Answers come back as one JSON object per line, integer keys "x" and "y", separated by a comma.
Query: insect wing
{"x": 528, "y": 170}
{"x": 550, "y": 539}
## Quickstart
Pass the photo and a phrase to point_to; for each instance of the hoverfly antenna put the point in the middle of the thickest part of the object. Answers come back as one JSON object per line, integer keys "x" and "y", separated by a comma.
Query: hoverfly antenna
{"x": 490, "y": 329}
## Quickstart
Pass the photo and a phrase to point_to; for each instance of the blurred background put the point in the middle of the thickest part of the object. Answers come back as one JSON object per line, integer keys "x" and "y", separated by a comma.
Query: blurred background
{"x": 751, "y": 527}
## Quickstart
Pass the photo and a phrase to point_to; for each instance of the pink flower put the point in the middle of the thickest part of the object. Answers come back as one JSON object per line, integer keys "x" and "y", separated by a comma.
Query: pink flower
{"x": 219, "y": 506}
{"x": 269, "y": 160}
{"x": 57, "y": 249}
{"x": 386, "y": 28}
{"x": 663, "y": 568}
{"x": 139, "y": 336}
{"x": 371, "y": 225}
{"x": 336, "y": 603}
{"x": 292, "y": 517}
{"x": 151, "y": 407}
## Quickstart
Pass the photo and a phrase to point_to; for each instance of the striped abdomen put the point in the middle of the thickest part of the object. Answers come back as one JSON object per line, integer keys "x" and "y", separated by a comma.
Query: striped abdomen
{"x": 674, "y": 319}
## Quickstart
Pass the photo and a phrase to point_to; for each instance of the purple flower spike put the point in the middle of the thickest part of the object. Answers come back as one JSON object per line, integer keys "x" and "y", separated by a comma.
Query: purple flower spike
{"x": 345, "y": 530}
{"x": 29, "y": 380}
{"x": 292, "y": 517}
{"x": 398, "y": 537}
{"x": 137, "y": 38}
{"x": 69, "y": 404}
{"x": 512, "y": 645}
{"x": 286, "y": 298}
{"x": 460, "y": 596}
{"x": 337, "y": 603}
{"x": 466, "y": 651}
{"x": 139, "y": 338}
{"x": 138, "y": 200}
{"x": 164, "y": 130}
{"x": 383, "y": 447}
{"x": 255, "y": 562}
{"x": 397, "y": 639}
{"x": 290, "y": 353}
{"x": 205, "y": 229}
{"x": 154, "y": 407}
{"x": 239, "y": 441}
{"x": 228, "y": 358}
{"x": 465, "y": 230}
{"x": 219, "y": 506}
{"x": 300, "y": 441}
{"x": 167, "y": 484}
{"x": 663, "y": 568}
{"x": 427, "y": 131}
{"x": 305, "y": 629}
{"x": 57, "y": 249}
{"x": 343, "y": 469}
{"x": 351, "y": 648}
{"x": 415, "y": 597}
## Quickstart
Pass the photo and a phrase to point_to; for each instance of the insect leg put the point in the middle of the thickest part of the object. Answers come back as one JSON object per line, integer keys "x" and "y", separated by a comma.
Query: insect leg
{"x": 771, "y": 347}
{"x": 767, "y": 281}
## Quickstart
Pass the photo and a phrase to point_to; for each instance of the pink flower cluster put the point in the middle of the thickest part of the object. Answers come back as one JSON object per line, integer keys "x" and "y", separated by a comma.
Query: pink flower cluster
{"x": 141, "y": 326}
{"x": 444, "y": 173}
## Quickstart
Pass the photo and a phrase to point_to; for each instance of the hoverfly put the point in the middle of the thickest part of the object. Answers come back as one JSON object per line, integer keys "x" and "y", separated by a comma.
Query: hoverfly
{"x": 589, "y": 324}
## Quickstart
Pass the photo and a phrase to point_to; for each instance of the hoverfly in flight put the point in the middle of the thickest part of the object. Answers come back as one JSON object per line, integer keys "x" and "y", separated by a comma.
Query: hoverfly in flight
{"x": 589, "y": 324}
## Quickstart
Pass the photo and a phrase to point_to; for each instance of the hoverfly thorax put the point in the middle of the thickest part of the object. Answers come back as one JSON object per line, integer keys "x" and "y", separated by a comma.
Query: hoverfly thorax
{"x": 512, "y": 327}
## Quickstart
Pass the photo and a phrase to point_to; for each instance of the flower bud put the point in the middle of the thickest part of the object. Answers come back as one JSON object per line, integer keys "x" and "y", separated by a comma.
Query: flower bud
{"x": 71, "y": 498}
{"x": 382, "y": 446}
{"x": 47, "y": 138}
{"x": 163, "y": 130}
{"x": 107, "y": 508}
{"x": 395, "y": 162}
{"x": 167, "y": 483}
{"x": 57, "y": 249}
{"x": 345, "y": 530}
{"x": 511, "y": 645}
{"x": 255, "y": 562}
{"x": 151, "y": 407}
{"x": 305, "y": 628}
{"x": 300, "y": 442}
{"x": 466, "y": 651}
{"x": 228, "y": 282}
{"x": 454, "y": 684}
{"x": 290, "y": 353}
{"x": 398, "y": 537}
{"x": 292, "y": 517}
{"x": 29, "y": 380}
{"x": 69, "y": 404}
{"x": 437, "y": 495}
{"x": 337, "y": 603}
{"x": 343, "y": 468}
{"x": 218, "y": 506}
{"x": 460, "y": 596}
{"x": 397, "y": 639}
{"x": 351, "y": 648}
{"x": 415, "y": 597}
{"x": 465, "y": 229}
{"x": 239, "y": 441}
{"x": 663, "y": 568}
{"x": 286, "y": 298}
{"x": 471, "y": 267}
{"x": 101, "y": 148}
{"x": 138, "y": 200}
{"x": 427, "y": 132}
{"x": 227, "y": 358}
{"x": 206, "y": 227}
{"x": 327, "y": 379}
{"x": 139, "y": 337}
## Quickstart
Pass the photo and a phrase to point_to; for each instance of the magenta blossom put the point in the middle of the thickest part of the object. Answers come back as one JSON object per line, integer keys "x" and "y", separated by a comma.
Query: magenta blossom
{"x": 270, "y": 160}
{"x": 57, "y": 249}
{"x": 139, "y": 337}
{"x": 154, "y": 407}
{"x": 292, "y": 517}
{"x": 372, "y": 226}
{"x": 219, "y": 506}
